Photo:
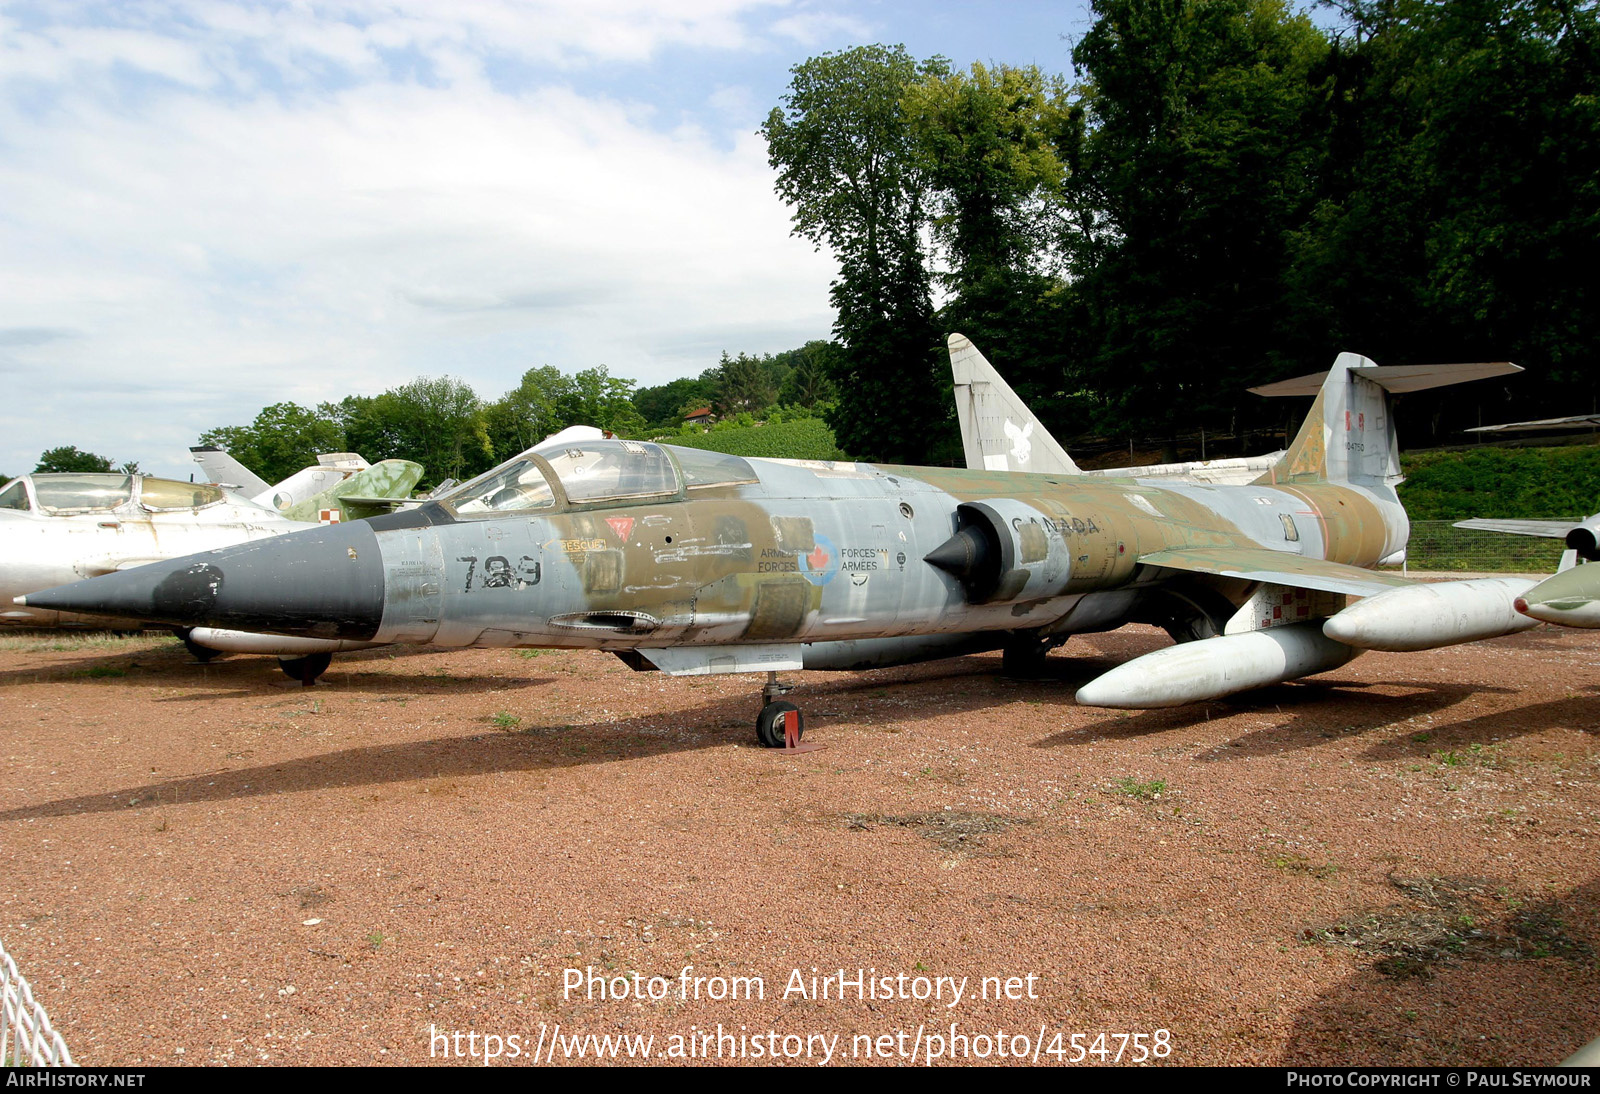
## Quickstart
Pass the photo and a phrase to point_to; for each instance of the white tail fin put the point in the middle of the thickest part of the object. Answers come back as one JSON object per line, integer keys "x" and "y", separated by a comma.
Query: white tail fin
{"x": 224, "y": 470}
{"x": 1349, "y": 435}
{"x": 998, "y": 431}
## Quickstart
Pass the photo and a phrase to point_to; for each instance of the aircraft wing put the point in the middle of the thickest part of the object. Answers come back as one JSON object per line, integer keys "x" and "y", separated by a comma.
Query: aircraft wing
{"x": 1277, "y": 568}
{"x": 374, "y": 502}
{"x": 1544, "y": 529}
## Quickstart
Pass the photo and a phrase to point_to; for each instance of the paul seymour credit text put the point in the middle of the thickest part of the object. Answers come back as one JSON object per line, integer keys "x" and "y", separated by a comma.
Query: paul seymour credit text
{"x": 927, "y": 1042}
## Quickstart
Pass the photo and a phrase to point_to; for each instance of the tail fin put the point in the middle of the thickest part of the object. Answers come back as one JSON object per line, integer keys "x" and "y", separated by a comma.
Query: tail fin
{"x": 224, "y": 470}
{"x": 1349, "y": 435}
{"x": 362, "y": 494}
{"x": 998, "y": 431}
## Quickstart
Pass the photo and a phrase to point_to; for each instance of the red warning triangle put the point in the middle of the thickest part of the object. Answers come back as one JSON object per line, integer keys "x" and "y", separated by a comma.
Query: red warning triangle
{"x": 623, "y": 526}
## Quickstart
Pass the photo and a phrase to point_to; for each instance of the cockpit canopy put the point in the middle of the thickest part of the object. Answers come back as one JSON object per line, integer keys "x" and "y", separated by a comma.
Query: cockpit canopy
{"x": 66, "y": 494}
{"x": 591, "y": 472}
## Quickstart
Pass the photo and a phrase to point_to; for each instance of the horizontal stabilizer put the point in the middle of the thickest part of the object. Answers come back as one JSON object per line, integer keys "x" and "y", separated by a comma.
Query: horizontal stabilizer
{"x": 1396, "y": 379}
{"x": 374, "y": 502}
{"x": 1277, "y": 567}
{"x": 1544, "y": 529}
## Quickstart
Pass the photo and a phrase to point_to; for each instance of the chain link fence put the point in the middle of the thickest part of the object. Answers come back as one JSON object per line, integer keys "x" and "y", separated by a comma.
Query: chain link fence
{"x": 27, "y": 1039}
{"x": 1439, "y": 545}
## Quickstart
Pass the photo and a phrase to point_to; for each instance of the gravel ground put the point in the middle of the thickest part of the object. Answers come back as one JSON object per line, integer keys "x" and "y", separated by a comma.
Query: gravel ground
{"x": 1397, "y": 863}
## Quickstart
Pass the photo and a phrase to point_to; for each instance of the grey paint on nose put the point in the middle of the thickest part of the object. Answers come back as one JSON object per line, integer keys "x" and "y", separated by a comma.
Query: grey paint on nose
{"x": 321, "y": 583}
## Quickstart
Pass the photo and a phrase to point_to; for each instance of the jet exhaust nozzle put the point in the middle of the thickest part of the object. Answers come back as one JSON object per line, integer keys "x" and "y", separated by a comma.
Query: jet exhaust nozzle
{"x": 967, "y": 556}
{"x": 1214, "y": 667}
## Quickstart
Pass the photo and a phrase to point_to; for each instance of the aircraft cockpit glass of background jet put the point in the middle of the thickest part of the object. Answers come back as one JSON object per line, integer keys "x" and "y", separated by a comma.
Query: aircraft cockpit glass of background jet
{"x": 15, "y": 496}
{"x": 595, "y": 471}
{"x": 167, "y": 495}
{"x": 61, "y": 494}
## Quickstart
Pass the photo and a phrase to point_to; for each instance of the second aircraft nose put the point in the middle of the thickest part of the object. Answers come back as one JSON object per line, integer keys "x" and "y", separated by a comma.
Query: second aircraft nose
{"x": 321, "y": 583}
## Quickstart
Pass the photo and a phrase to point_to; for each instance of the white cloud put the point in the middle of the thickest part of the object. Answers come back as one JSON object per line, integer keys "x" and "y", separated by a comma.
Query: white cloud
{"x": 172, "y": 259}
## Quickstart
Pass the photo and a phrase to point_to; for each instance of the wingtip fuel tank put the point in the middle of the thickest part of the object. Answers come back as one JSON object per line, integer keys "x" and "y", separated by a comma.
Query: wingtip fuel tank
{"x": 1192, "y": 672}
{"x": 1570, "y": 598}
{"x": 1426, "y": 617}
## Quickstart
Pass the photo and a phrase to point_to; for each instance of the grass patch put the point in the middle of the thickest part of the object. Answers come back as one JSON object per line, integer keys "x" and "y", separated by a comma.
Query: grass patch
{"x": 505, "y": 720}
{"x": 1144, "y": 791}
{"x": 1446, "y": 919}
{"x": 46, "y": 641}
{"x": 950, "y": 829}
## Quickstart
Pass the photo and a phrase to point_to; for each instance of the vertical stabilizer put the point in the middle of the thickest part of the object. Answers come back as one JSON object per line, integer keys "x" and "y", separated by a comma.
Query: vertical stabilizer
{"x": 1349, "y": 435}
{"x": 998, "y": 431}
{"x": 224, "y": 470}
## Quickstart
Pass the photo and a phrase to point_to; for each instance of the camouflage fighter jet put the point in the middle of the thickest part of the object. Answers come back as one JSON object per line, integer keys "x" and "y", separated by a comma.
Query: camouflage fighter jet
{"x": 694, "y": 562}
{"x": 1571, "y": 597}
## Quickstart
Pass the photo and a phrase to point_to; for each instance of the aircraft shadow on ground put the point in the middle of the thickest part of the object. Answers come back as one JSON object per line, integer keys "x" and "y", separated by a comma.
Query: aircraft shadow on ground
{"x": 175, "y": 665}
{"x": 866, "y": 698}
{"x": 1574, "y": 712}
{"x": 1316, "y": 712}
{"x": 1430, "y": 996}
{"x": 469, "y": 754}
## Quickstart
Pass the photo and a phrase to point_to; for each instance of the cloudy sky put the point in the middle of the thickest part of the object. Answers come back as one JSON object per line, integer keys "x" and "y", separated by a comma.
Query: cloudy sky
{"x": 207, "y": 206}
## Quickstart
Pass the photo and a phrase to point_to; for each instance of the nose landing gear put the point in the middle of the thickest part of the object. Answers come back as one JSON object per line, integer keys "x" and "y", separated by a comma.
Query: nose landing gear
{"x": 780, "y": 724}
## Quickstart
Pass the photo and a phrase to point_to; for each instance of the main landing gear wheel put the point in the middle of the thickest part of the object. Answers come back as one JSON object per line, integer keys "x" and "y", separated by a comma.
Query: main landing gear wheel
{"x": 771, "y": 724}
{"x": 306, "y": 669}
{"x": 1022, "y": 657}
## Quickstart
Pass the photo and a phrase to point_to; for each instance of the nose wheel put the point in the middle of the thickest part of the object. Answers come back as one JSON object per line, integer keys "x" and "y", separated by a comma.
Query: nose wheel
{"x": 780, "y": 724}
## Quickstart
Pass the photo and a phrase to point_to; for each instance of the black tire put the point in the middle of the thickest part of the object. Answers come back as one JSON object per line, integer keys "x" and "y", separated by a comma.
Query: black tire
{"x": 1022, "y": 657}
{"x": 306, "y": 669}
{"x": 769, "y": 724}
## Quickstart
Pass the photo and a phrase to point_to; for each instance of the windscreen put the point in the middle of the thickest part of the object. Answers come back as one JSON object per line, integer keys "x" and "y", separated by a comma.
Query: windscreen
{"x": 603, "y": 470}
{"x": 82, "y": 493}
{"x": 513, "y": 486}
{"x": 15, "y": 496}
{"x": 171, "y": 494}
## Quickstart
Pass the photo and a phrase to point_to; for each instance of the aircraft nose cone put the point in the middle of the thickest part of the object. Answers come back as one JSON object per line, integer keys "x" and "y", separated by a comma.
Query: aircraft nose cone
{"x": 320, "y": 583}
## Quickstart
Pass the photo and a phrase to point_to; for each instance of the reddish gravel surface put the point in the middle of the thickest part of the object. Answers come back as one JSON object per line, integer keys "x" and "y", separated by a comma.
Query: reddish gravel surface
{"x": 1398, "y": 863}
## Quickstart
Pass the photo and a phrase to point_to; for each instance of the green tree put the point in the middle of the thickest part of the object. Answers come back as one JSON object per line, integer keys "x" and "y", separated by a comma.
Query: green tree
{"x": 809, "y": 380}
{"x": 1198, "y": 158}
{"x": 664, "y": 407}
{"x": 744, "y": 384}
{"x": 599, "y": 399}
{"x": 847, "y": 166}
{"x": 283, "y": 439}
{"x": 993, "y": 141}
{"x": 526, "y": 414}
{"x": 438, "y": 422}
{"x": 68, "y": 458}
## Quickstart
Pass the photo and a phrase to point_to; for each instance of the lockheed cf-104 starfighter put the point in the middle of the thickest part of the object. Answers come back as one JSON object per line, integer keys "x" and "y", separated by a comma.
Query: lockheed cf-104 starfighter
{"x": 692, "y": 562}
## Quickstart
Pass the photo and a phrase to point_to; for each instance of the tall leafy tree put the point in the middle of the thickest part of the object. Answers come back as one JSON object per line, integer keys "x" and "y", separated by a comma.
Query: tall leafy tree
{"x": 1198, "y": 160}
{"x": 526, "y": 414}
{"x": 847, "y": 165}
{"x": 284, "y": 438}
{"x": 992, "y": 140}
{"x": 69, "y": 458}
{"x": 744, "y": 384}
